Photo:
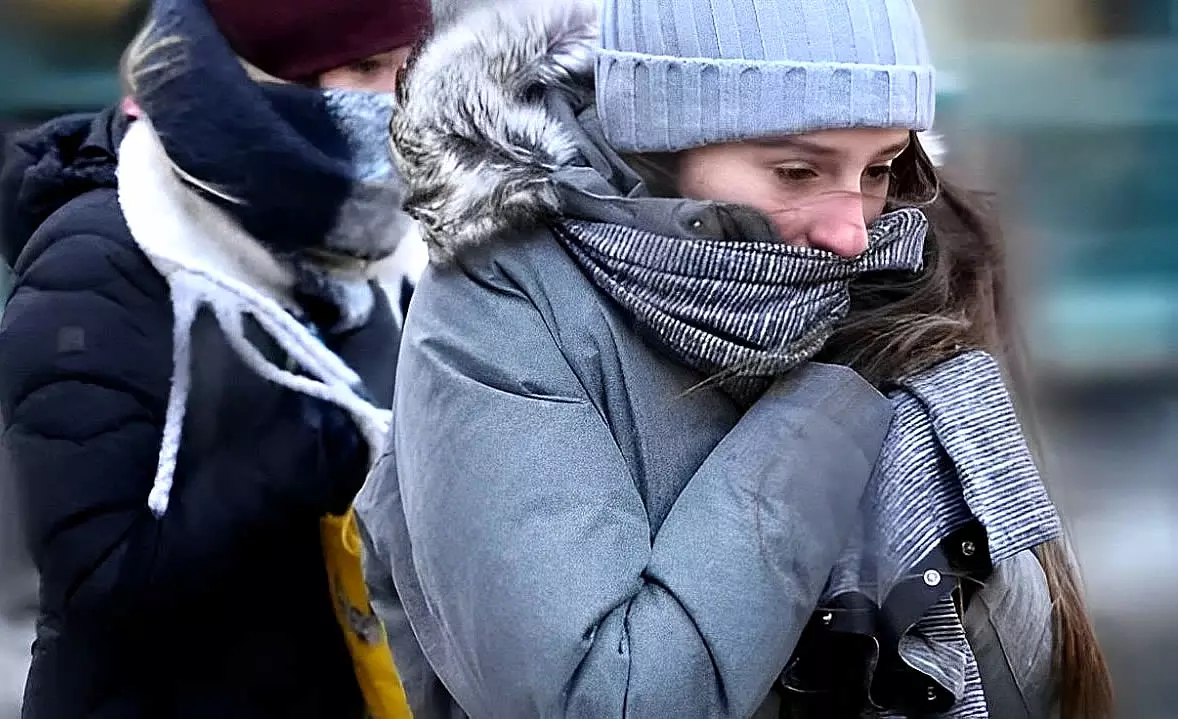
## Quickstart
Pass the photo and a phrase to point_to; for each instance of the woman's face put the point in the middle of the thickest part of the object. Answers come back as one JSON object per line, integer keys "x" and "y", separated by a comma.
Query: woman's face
{"x": 375, "y": 74}
{"x": 820, "y": 189}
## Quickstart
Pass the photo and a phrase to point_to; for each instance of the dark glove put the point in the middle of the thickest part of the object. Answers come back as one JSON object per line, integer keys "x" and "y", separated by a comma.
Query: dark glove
{"x": 309, "y": 450}
{"x": 371, "y": 351}
{"x": 343, "y": 453}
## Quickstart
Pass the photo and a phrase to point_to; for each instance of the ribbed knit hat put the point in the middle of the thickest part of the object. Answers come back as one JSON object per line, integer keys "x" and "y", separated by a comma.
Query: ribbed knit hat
{"x": 296, "y": 40}
{"x": 676, "y": 74}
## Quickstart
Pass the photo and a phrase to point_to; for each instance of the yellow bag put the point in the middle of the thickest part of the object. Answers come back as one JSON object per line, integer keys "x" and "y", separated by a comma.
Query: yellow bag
{"x": 373, "y": 660}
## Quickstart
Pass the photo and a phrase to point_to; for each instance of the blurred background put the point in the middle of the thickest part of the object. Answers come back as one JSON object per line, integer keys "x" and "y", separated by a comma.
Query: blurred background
{"x": 1067, "y": 108}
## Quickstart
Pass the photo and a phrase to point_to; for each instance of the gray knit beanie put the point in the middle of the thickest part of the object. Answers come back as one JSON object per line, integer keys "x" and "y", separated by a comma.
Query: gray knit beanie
{"x": 677, "y": 74}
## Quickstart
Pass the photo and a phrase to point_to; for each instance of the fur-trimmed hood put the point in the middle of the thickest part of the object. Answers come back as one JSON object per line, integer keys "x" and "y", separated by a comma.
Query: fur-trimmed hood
{"x": 474, "y": 134}
{"x": 496, "y": 111}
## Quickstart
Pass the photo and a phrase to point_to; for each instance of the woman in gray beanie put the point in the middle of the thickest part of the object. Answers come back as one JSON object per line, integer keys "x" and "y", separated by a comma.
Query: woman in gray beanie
{"x": 696, "y": 416}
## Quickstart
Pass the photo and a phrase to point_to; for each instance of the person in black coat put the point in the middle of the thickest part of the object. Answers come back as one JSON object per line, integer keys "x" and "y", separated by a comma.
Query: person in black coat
{"x": 175, "y": 411}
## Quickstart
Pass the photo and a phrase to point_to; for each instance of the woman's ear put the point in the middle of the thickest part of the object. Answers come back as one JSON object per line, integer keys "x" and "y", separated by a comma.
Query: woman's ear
{"x": 130, "y": 108}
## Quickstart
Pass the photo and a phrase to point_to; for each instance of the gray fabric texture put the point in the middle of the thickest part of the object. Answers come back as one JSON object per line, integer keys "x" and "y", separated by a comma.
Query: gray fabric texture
{"x": 677, "y": 74}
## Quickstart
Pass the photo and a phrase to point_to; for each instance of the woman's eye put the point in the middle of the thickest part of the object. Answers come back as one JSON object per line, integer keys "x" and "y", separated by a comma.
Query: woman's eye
{"x": 796, "y": 174}
{"x": 879, "y": 172}
{"x": 367, "y": 67}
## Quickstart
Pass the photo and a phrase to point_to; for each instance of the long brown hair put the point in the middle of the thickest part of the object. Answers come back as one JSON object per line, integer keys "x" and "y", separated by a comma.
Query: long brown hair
{"x": 899, "y": 326}
{"x": 902, "y": 323}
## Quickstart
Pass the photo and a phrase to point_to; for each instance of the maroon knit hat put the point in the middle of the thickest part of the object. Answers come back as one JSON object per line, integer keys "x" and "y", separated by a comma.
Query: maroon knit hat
{"x": 296, "y": 40}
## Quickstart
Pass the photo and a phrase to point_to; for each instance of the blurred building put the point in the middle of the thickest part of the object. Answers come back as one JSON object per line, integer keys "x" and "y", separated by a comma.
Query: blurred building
{"x": 59, "y": 55}
{"x": 1071, "y": 108}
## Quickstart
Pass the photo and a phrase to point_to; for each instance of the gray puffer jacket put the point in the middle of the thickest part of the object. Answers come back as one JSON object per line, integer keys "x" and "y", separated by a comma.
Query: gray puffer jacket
{"x": 564, "y": 525}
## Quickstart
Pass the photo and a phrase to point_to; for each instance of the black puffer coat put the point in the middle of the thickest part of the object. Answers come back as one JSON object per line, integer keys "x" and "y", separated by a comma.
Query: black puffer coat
{"x": 220, "y": 608}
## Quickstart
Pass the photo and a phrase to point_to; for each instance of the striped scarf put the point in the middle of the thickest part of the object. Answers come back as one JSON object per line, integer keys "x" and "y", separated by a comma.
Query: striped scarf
{"x": 740, "y": 312}
{"x": 955, "y": 490}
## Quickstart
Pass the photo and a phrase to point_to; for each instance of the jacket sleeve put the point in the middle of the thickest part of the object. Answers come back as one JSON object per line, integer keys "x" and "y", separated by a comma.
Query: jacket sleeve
{"x": 424, "y": 691}
{"x": 85, "y": 360}
{"x": 538, "y": 588}
{"x": 1009, "y": 623}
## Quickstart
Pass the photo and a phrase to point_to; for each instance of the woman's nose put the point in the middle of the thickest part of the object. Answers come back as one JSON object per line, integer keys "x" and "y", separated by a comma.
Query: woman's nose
{"x": 839, "y": 227}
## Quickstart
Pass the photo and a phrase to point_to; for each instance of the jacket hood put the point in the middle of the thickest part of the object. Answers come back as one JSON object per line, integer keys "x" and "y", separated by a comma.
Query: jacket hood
{"x": 479, "y": 130}
{"x": 496, "y": 133}
{"x": 48, "y": 166}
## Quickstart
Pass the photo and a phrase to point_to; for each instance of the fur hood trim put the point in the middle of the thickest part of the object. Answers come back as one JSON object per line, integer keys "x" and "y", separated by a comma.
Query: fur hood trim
{"x": 475, "y": 135}
{"x": 472, "y": 134}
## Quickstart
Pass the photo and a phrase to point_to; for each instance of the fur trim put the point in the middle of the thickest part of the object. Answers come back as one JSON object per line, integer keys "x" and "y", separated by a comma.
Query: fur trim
{"x": 472, "y": 135}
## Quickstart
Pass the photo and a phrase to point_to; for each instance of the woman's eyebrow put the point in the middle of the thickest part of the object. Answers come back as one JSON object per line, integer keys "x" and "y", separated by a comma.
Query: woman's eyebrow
{"x": 896, "y": 149}
{"x": 821, "y": 149}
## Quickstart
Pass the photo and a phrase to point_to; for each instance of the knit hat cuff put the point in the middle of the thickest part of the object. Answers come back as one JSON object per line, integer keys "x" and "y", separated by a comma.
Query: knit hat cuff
{"x": 651, "y": 103}
{"x": 297, "y": 40}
